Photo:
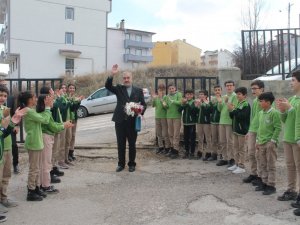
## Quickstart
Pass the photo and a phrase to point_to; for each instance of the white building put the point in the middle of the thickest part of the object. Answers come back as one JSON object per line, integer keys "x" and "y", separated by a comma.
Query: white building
{"x": 46, "y": 39}
{"x": 217, "y": 59}
{"x": 129, "y": 48}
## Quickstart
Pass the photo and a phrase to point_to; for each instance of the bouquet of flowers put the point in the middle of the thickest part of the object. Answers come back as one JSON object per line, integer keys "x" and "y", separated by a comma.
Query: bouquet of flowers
{"x": 135, "y": 109}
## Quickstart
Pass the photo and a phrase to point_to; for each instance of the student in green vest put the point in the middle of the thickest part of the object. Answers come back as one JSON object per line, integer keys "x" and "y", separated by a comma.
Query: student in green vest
{"x": 269, "y": 127}
{"x": 161, "y": 125}
{"x": 240, "y": 116}
{"x": 214, "y": 124}
{"x": 225, "y": 124}
{"x": 189, "y": 117}
{"x": 204, "y": 110}
{"x": 34, "y": 141}
{"x": 288, "y": 109}
{"x": 257, "y": 87}
{"x": 172, "y": 102}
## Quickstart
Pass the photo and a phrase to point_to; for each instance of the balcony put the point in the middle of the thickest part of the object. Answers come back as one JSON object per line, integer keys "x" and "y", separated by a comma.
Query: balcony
{"x": 2, "y": 35}
{"x": 137, "y": 58}
{"x": 7, "y": 58}
{"x": 137, "y": 44}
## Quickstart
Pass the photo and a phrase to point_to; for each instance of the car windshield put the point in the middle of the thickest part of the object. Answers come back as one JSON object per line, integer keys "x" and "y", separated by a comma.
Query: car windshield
{"x": 278, "y": 68}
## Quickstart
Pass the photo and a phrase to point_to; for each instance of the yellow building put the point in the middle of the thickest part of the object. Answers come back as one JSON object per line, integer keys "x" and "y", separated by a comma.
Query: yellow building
{"x": 166, "y": 53}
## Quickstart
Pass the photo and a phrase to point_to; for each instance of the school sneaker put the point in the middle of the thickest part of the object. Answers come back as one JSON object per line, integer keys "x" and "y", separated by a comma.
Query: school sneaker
{"x": 269, "y": 190}
{"x": 206, "y": 157}
{"x": 159, "y": 150}
{"x": 261, "y": 187}
{"x": 2, "y": 218}
{"x": 287, "y": 196}
{"x": 239, "y": 170}
{"x": 54, "y": 179}
{"x": 249, "y": 179}
{"x": 222, "y": 162}
{"x": 213, "y": 157}
{"x": 199, "y": 155}
{"x": 166, "y": 151}
{"x": 297, "y": 203}
{"x": 175, "y": 154}
{"x": 63, "y": 165}
{"x": 33, "y": 196}
{"x": 232, "y": 168}
{"x": 297, "y": 212}
{"x": 40, "y": 192}
{"x": 56, "y": 171}
{"x": 231, "y": 162}
{"x": 3, "y": 209}
{"x": 50, "y": 190}
{"x": 257, "y": 181}
{"x": 9, "y": 203}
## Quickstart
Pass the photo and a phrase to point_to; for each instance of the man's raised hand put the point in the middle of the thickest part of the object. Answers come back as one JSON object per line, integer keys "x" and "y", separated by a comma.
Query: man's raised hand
{"x": 115, "y": 69}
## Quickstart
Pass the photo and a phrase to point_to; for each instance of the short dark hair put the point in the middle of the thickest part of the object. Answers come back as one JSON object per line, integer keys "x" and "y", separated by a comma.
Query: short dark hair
{"x": 3, "y": 88}
{"x": 189, "y": 91}
{"x": 296, "y": 74}
{"x": 61, "y": 85}
{"x": 40, "y": 106}
{"x": 259, "y": 83}
{"x": 267, "y": 96}
{"x": 205, "y": 92}
{"x": 45, "y": 90}
{"x": 241, "y": 90}
{"x": 171, "y": 84}
{"x": 24, "y": 98}
{"x": 229, "y": 82}
{"x": 217, "y": 86}
{"x": 69, "y": 85}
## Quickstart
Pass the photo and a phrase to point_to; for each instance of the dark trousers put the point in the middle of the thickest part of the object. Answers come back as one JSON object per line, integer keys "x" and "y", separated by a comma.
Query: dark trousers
{"x": 126, "y": 131}
{"x": 15, "y": 149}
{"x": 189, "y": 133}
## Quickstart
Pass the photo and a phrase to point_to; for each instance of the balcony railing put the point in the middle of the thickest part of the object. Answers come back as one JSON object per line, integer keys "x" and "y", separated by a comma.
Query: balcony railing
{"x": 137, "y": 58}
{"x": 137, "y": 44}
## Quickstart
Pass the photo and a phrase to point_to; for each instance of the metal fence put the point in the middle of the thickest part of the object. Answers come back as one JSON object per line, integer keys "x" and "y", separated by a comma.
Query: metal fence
{"x": 18, "y": 85}
{"x": 194, "y": 83}
{"x": 276, "y": 51}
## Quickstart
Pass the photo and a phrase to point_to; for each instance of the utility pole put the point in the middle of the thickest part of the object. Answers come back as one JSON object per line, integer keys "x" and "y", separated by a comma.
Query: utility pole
{"x": 289, "y": 15}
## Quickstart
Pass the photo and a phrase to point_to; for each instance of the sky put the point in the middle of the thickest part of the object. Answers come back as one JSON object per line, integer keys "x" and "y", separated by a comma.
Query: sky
{"x": 206, "y": 24}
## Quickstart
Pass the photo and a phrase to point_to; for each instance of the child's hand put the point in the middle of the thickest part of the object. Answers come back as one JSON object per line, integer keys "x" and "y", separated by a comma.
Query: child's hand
{"x": 51, "y": 92}
{"x": 197, "y": 102}
{"x": 6, "y": 112}
{"x": 68, "y": 124}
{"x": 164, "y": 103}
{"x": 48, "y": 101}
{"x": 19, "y": 113}
{"x": 5, "y": 122}
{"x": 230, "y": 106}
{"x": 219, "y": 99}
{"x": 183, "y": 101}
{"x": 283, "y": 104}
{"x": 226, "y": 99}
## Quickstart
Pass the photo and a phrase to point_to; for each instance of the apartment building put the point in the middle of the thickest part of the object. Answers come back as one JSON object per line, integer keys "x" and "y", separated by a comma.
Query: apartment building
{"x": 176, "y": 52}
{"x": 46, "y": 39}
{"x": 217, "y": 59}
{"x": 129, "y": 48}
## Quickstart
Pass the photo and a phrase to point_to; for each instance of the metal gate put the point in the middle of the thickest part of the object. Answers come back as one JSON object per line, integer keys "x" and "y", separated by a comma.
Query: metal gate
{"x": 16, "y": 86}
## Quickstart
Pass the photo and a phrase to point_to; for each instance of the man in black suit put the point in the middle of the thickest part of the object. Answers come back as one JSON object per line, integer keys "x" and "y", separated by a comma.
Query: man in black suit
{"x": 124, "y": 124}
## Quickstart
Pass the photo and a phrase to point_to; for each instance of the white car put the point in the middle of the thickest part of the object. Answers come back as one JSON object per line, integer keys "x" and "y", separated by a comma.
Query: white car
{"x": 275, "y": 72}
{"x": 102, "y": 101}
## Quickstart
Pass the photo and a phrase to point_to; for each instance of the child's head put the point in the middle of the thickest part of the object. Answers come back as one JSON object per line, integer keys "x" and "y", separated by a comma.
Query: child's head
{"x": 295, "y": 83}
{"x": 45, "y": 90}
{"x": 40, "y": 107}
{"x": 71, "y": 89}
{"x": 229, "y": 86}
{"x": 203, "y": 94}
{"x": 3, "y": 94}
{"x": 241, "y": 93}
{"x": 27, "y": 99}
{"x": 171, "y": 88}
{"x": 189, "y": 94}
{"x": 266, "y": 100}
{"x": 63, "y": 87}
{"x": 218, "y": 90}
{"x": 257, "y": 87}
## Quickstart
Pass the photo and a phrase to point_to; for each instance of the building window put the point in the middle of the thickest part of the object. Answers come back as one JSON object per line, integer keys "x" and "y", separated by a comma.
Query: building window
{"x": 138, "y": 37}
{"x": 127, "y": 36}
{"x": 69, "y": 38}
{"x": 69, "y": 66}
{"x": 69, "y": 13}
{"x": 138, "y": 52}
{"x": 127, "y": 50}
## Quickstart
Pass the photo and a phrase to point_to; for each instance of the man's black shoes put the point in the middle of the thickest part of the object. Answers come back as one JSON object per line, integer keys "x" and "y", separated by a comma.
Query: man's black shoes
{"x": 131, "y": 168}
{"x": 222, "y": 162}
{"x": 287, "y": 196}
{"x": 250, "y": 178}
{"x": 269, "y": 190}
{"x": 119, "y": 168}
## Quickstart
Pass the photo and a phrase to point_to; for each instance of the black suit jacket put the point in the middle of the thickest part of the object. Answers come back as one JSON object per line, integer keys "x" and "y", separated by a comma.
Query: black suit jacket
{"x": 122, "y": 98}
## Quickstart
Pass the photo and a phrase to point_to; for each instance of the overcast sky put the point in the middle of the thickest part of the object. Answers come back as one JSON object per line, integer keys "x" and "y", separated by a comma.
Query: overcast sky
{"x": 207, "y": 24}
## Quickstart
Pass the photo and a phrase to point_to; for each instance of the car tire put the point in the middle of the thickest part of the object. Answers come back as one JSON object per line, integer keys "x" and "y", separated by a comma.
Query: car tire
{"x": 82, "y": 112}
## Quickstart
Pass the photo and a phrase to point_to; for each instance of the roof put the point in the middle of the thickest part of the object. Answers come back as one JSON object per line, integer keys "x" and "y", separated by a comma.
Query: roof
{"x": 132, "y": 30}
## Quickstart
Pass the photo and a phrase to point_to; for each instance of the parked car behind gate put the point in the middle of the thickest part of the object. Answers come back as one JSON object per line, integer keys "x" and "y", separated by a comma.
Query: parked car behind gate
{"x": 102, "y": 101}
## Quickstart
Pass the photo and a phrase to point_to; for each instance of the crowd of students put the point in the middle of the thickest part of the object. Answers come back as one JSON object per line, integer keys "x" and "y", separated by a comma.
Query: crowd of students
{"x": 228, "y": 128}
{"x": 50, "y": 124}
